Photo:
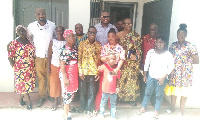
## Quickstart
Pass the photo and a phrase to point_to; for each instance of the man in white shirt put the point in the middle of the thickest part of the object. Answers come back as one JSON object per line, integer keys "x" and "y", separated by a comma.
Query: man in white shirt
{"x": 41, "y": 31}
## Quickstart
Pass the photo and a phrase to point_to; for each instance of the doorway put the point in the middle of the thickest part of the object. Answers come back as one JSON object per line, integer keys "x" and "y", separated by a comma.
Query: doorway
{"x": 121, "y": 10}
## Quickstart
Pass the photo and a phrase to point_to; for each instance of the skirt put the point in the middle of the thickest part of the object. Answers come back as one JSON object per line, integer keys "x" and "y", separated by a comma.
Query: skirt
{"x": 55, "y": 85}
{"x": 177, "y": 91}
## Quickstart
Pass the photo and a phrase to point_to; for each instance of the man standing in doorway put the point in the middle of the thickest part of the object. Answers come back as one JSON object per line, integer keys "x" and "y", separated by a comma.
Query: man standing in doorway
{"x": 41, "y": 31}
{"x": 119, "y": 26}
{"x": 148, "y": 42}
{"x": 103, "y": 27}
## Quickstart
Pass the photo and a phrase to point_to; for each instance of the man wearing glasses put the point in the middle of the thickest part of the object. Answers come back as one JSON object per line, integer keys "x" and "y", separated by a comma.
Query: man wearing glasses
{"x": 103, "y": 27}
{"x": 88, "y": 61}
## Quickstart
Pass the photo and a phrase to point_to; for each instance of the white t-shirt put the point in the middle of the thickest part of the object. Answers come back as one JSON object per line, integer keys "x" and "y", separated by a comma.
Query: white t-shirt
{"x": 158, "y": 65}
{"x": 42, "y": 35}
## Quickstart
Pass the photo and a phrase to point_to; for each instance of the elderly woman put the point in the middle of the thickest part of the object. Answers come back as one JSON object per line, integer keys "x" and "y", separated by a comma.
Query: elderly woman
{"x": 68, "y": 71}
{"x": 111, "y": 47}
{"x": 21, "y": 57}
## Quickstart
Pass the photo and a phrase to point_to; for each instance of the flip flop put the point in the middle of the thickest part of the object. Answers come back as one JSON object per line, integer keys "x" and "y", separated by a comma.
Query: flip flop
{"x": 139, "y": 112}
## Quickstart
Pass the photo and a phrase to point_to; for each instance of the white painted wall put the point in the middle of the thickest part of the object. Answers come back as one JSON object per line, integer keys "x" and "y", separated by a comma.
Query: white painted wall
{"x": 79, "y": 12}
{"x": 6, "y": 72}
{"x": 187, "y": 11}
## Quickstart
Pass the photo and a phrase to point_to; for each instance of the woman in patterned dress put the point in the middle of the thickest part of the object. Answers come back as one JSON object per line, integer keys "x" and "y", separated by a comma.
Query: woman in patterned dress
{"x": 53, "y": 65}
{"x": 129, "y": 82}
{"x": 185, "y": 54}
{"x": 68, "y": 71}
{"x": 21, "y": 57}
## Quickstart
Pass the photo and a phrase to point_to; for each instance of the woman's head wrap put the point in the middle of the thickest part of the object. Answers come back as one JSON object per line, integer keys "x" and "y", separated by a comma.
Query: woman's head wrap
{"x": 19, "y": 26}
{"x": 67, "y": 32}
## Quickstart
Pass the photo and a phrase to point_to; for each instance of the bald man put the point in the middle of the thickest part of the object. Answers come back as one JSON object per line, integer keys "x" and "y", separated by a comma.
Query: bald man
{"x": 80, "y": 36}
{"x": 41, "y": 32}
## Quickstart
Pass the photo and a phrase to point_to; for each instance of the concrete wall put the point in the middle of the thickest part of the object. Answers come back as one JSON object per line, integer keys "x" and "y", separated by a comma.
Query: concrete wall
{"x": 79, "y": 12}
{"x": 6, "y": 72}
{"x": 187, "y": 11}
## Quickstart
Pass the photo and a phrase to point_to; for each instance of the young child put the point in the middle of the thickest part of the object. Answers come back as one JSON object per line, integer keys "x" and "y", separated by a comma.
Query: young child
{"x": 160, "y": 63}
{"x": 109, "y": 85}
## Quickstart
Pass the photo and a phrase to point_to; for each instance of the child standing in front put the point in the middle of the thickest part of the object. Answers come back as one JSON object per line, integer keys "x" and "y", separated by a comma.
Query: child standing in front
{"x": 109, "y": 85}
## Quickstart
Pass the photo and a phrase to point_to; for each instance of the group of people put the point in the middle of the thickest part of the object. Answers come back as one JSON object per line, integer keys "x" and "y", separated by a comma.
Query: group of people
{"x": 104, "y": 63}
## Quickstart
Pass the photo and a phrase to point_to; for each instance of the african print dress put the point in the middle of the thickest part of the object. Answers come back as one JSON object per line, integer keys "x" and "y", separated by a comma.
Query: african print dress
{"x": 180, "y": 79}
{"x": 24, "y": 67}
{"x": 70, "y": 56}
{"x": 129, "y": 83}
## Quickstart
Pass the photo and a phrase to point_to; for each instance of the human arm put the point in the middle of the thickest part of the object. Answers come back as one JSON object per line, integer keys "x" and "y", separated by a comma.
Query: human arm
{"x": 195, "y": 58}
{"x": 117, "y": 81}
{"x": 11, "y": 52}
{"x": 63, "y": 70}
{"x": 50, "y": 52}
{"x": 146, "y": 65}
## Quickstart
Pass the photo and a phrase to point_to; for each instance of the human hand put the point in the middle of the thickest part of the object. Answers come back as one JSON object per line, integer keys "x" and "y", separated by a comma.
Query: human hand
{"x": 66, "y": 82}
{"x": 145, "y": 79}
{"x": 97, "y": 77}
{"x": 161, "y": 81}
{"x": 81, "y": 75}
{"x": 133, "y": 57}
{"x": 117, "y": 90}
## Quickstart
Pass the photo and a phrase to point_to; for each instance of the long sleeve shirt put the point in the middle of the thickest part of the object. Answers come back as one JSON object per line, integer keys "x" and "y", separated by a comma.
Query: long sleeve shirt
{"x": 158, "y": 65}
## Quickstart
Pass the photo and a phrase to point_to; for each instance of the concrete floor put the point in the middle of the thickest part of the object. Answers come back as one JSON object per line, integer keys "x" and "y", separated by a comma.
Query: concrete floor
{"x": 11, "y": 110}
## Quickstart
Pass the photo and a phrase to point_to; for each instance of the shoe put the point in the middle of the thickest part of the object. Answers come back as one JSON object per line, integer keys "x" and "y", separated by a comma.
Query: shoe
{"x": 73, "y": 110}
{"x": 139, "y": 112}
{"x": 80, "y": 110}
{"x": 22, "y": 103}
{"x": 169, "y": 111}
{"x": 89, "y": 114}
{"x": 51, "y": 99}
{"x": 155, "y": 117}
{"x": 133, "y": 103}
{"x": 40, "y": 102}
{"x": 69, "y": 118}
{"x": 100, "y": 117}
{"x": 29, "y": 107}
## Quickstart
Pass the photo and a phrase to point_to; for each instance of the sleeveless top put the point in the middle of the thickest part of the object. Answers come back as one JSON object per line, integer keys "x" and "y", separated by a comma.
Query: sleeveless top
{"x": 56, "y": 51}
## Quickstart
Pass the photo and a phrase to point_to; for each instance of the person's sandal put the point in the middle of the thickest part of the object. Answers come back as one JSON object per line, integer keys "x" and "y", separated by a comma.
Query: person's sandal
{"x": 169, "y": 111}
{"x": 29, "y": 107}
{"x": 155, "y": 117}
{"x": 22, "y": 103}
{"x": 139, "y": 112}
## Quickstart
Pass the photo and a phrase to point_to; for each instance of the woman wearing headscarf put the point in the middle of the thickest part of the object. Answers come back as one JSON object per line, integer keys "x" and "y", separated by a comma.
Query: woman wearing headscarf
{"x": 68, "y": 71}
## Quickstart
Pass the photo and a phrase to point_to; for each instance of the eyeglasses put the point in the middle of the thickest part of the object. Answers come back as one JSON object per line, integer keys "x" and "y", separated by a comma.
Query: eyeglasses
{"x": 105, "y": 16}
{"x": 128, "y": 24}
{"x": 92, "y": 32}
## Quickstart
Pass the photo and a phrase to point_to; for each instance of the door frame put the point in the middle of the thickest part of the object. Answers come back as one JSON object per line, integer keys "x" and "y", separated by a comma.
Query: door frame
{"x": 132, "y": 5}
